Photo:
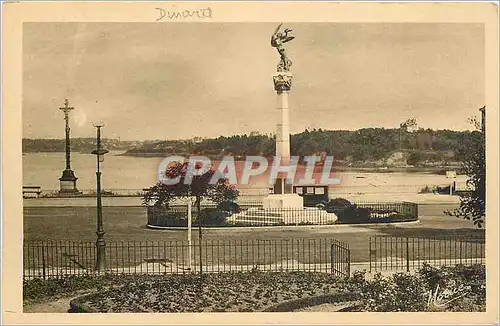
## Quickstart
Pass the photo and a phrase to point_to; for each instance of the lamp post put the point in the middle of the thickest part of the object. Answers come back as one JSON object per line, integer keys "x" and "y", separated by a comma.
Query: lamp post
{"x": 100, "y": 243}
{"x": 190, "y": 250}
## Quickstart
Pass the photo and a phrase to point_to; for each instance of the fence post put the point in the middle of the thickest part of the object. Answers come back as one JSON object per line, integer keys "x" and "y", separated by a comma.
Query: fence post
{"x": 43, "y": 262}
{"x": 407, "y": 254}
{"x": 460, "y": 251}
{"x": 348, "y": 261}
{"x": 190, "y": 251}
{"x": 331, "y": 259}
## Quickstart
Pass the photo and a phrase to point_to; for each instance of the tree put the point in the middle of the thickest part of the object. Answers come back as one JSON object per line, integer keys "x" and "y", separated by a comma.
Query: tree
{"x": 473, "y": 202}
{"x": 405, "y": 127}
{"x": 200, "y": 187}
{"x": 414, "y": 158}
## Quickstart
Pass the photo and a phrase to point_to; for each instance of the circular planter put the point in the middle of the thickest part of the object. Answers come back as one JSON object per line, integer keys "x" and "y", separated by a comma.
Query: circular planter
{"x": 283, "y": 227}
{"x": 380, "y": 214}
{"x": 78, "y": 305}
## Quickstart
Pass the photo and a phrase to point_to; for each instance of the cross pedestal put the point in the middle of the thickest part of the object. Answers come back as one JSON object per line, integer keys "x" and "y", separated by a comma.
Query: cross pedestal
{"x": 68, "y": 179}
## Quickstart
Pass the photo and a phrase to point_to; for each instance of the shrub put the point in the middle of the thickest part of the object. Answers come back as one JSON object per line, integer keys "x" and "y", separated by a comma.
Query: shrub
{"x": 166, "y": 217}
{"x": 458, "y": 289}
{"x": 363, "y": 214}
{"x": 414, "y": 158}
{"x": 469, "y": 278}
{"x": 348, "y": 212}
{"x": 229, "y": 206}
{"x": 400, "y": 292}
{"x": 353, "y": 214}
{"x": 410, "y": 291}
{"x": 212, "y": 216}
{"x": 357, "y": 282}
{"x": 339, "y": 203}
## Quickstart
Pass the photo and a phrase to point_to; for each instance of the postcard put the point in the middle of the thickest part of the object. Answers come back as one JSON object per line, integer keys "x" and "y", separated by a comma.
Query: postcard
{"x": 250, "y": 163}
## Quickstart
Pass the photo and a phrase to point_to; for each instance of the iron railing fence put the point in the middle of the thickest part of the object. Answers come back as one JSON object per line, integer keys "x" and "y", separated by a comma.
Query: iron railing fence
{"x": 408, "y": 253}
{"x": 340, "y": 258}
{"x": 255, "y": 215}
{"x": 52, "y": 259}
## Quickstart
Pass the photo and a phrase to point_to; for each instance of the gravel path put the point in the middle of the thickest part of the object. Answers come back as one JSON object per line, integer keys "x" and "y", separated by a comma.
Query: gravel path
{"x": 60, "y": 305}
{"x": 56, "y": 304}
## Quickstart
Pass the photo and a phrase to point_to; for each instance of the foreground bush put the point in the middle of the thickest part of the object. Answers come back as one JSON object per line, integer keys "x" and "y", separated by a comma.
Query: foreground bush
{"x": 431, "y": 289}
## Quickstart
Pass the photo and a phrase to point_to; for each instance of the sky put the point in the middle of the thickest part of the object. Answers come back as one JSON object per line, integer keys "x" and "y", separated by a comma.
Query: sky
{"x": 183, "y": 80}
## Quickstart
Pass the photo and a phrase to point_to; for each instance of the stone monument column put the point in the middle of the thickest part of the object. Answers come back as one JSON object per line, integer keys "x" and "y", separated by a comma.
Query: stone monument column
{"x": 283, "y": 196}
{"x": 282, "y": 86}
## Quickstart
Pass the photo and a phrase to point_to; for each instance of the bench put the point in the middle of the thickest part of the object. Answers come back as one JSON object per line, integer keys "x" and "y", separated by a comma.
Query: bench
{"x": 28, "y": 191}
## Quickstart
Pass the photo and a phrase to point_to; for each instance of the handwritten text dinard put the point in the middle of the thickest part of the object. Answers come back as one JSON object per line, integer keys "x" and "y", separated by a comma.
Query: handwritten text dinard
{"x": 446, "y": 296}
{"x": 184, "y": 14}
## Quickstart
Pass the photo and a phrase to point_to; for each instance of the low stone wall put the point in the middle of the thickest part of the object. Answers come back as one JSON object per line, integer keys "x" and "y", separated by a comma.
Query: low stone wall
{"x": 314, "y": 301}
{"x": 257, "y": 216}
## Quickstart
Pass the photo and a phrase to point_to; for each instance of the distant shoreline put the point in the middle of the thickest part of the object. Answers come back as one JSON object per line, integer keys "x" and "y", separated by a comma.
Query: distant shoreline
{"x": 338, "y": 168}
{"x": 342, "y": 168}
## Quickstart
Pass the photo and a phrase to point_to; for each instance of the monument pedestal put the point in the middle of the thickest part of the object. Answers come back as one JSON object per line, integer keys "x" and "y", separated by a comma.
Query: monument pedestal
{"x": 283, "y": 201}
{"x": 68, "y": 184}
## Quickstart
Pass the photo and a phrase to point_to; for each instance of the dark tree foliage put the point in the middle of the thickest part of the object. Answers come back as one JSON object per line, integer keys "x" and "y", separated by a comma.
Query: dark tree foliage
{"x": 359, "y": 146}
{"x": 414, "y": 158}
{"x": 161, "y": 194}
{"x": 83, "y": 145}
{"x": 473, "y": 202}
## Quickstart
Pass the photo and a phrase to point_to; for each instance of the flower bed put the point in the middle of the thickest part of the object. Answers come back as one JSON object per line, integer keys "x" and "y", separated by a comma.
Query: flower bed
{"x": 229, "y": 292}
{"x": 451, "y": 289}
{"x": 39, "y": 290}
